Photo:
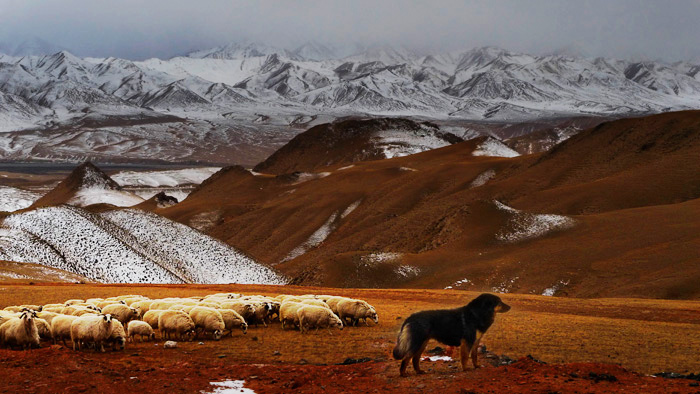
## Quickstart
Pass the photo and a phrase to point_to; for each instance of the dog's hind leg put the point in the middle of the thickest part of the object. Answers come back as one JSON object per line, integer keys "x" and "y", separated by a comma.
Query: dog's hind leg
{"x": 475, "y": 349}
{"x": 404, "y": 364}
{"x": 416, "y": 357}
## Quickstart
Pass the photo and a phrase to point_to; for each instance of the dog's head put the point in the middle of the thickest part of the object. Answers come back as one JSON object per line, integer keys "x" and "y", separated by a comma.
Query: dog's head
{"x": 490, "y": 302}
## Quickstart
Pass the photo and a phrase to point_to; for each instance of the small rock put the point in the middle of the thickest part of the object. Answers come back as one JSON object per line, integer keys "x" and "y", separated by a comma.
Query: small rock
{"x": 303, "y": 361}
{"x": 276, "y": 353}
{"x": 170, "y": 345}
{"x": 221, "y": 356}
{"x": 200, "y": 343}
{"x": 254, "y": 338}
{"x": 135, "y": 354}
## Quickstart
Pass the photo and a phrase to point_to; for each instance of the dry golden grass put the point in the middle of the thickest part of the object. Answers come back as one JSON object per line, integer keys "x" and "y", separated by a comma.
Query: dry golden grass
{"x": 646, "y": 336}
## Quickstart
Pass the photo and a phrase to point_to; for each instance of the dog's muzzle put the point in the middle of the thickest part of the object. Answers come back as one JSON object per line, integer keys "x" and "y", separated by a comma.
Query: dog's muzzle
{"x": 502, "y": 308}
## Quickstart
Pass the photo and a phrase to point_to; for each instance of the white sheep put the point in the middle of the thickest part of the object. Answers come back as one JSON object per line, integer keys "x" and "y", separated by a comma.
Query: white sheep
{"x": 233, "y": 319}
{"x": 151, "y": 317}
{"x": 94, "y": 329}
{"x": 60, "y": 327}
{"x": 244, "y": 308}
{"x": 315, "y": 302}
{"x": 288, "y": 313}
{"x": 117, "y": 337}
{"x": 20, "y": 331}
{"x": 48, "y": 316}
{"x": 176, "y": 322}
{"x": 311, "y": 316}
{"x": 121, "y": 312}
{"x": 143, "y": 306}
{"x": 73, "y": 302}
{"x": 208, "y": 320}
{"x": 140, "y": 328}
{"x": 356, "y": 310}
{"x": 44, "y": 329}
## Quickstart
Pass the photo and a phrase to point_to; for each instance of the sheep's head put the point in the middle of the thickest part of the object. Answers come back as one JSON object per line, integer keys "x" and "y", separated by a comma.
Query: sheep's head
{"x": 244, "y": 327}
{"x": 217, "y": 335}
{"x": 372, "y": 314}
{"x": 337, "y": 322}
{"x": 189, "y": 334}
{"x": 107, "y": 318}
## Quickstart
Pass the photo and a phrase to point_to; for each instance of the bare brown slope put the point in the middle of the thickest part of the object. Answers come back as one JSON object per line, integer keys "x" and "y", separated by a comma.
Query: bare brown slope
{"x": 340, "y": 143}
{"x": 426, "y": 208}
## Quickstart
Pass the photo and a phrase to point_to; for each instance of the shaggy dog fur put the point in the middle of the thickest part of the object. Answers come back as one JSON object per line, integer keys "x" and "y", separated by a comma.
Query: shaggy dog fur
{"x": 462, "y": 327}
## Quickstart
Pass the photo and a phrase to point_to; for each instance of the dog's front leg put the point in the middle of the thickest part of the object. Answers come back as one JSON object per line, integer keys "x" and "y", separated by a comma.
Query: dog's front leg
{"x": 464, "y": 350}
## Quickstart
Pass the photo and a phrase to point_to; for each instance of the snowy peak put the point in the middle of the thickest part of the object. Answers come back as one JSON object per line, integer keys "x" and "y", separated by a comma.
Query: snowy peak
{"x": 314, "y": 51}
{"x": 30, "y": 46}
{"x": 88, "y": 185}
{"x": 239, "y": 50}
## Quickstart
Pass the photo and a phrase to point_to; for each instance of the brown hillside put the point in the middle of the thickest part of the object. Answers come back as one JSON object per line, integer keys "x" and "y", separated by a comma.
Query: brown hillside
{"x": 85, "y": 175}
{"x": 630, "y": 189}
{"x": 341, "y": 143}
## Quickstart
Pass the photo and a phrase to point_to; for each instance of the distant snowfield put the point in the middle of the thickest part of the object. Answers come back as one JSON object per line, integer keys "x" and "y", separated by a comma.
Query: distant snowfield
{"x": 168, "y": 178}
{"x": 524, "y": 225}
{"x": 229, "y": 387}
{"x": 118, "y": 198}
{"x": 125, "y": 246}
{"x": 13, "y": 199}
{"x": 399, "y": 143}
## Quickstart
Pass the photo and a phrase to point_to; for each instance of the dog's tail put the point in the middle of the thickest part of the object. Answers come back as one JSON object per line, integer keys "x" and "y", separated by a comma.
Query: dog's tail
{"x": 403, "y": 342}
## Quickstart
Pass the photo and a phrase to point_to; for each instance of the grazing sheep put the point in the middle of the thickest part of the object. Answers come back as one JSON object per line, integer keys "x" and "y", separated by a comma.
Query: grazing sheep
{"x": 288, "y": 313}
{"x": 243, "y": 308}
{"x": 94, "y": 329}
{"x": 20, "y": 331}
{"x": 143, "y": 306}
{"x": 73, "y": 302}
{"x": 117, "y": 337}
{"x": 79, "y": 311}
{"x": 94, "y": 301}
{"x": 51, "y": 306}
{"x": 44, "y": 329}
{"x": 121, "y": 312}
{"x": 209, "y": 304}
{"x": 48, "y": 316}
{"x": 274, "y": 311}
{"x": 140, "y": 328}
{"x": 315, "y": 302}
{"x": 13, "y": 308}
{"x": 151, "y": 317}
{"x": 54, "y": 309}
{"x": 233, "y": 319}
{"x": 129, "y": 301}
{"x": 356, "y": 310}
{"x": 60, "y": 327}
{"x": 261, "y": 312}
{"x": 311, "y": 316}
{"x": 208, "y": 320}
{"x": 106, "y": 303}
{"x": 177, "y": 322}
{"x": 333, "y": 302}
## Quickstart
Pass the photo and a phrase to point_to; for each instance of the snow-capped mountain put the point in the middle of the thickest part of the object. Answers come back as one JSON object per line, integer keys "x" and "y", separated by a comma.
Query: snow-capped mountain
{"x": 248, "y": 83}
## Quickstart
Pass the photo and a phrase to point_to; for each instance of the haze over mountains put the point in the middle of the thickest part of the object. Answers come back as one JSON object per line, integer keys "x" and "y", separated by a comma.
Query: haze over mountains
{"x": 247, "y": 97}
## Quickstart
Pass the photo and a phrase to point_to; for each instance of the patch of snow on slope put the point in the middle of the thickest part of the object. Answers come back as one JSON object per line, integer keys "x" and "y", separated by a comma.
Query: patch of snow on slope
{"x": 398, "y": 143}
{"x": 494, "y": 148}
{"x": 482, "y": 178}
{"x": 550, "y": 291}
{"x": 459, "y": 283}
{"x": 505, "y": 286}
{"x": 87, "y": 246}
{"x": 193, "y": 255}
{"x": 21, "y": 246}
{"x": 350, "y": 208}
{"x": 96, "y": 195}
{"x": 229, "y": 387}
{"x": 315, "y": 239}
{"x": 381, "y": 257}
{"x": 170, "y": 178}
{"x": 407, "y": 271}
{"x": 523, "y": 225}
{"x": 13, "y": 199}
{"x": 307, "y": 176}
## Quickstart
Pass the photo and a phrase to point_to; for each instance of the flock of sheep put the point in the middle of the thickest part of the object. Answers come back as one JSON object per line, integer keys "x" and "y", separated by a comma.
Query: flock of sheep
{"x": 97, "y": 322}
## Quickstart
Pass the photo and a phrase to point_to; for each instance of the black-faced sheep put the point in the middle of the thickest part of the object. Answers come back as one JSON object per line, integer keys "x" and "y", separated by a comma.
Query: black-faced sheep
{"x": 91, "y": 329}
{"x": 311, "y": 316}
{"x": 208, "y": 320}
{"x": 140, "y": 328}
{"x": 176, "y": 322}
{"x": 20, "y": 331}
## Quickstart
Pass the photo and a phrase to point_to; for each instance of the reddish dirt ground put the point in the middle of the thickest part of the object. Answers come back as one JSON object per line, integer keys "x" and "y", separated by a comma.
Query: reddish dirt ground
{"x": 582, "y": 341}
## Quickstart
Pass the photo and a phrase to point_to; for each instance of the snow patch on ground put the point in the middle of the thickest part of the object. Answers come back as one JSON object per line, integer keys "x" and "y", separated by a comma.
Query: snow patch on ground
{"x": 315, "y": 239}
{"x": 482, "y": 178}
{"x": 495, "y": 148}
{"x": 437, "y": 358}
{"x": 346, "y": 167}
{"x": 307, "y": 176}
{"x": 381, "y": 257}
{"x": 459, "y": 283}
{"x": 205, "y": 220}
{"x": 523, "y": 225}
{"x": 407, "y": 271}
{"x": 399, "y": 143}
{"x": 97, "y": 195}
{"x": 550, "y": 291}
{"x": 350, "y": 208}
{"x": 409, "y": 169}
{"x": 169, "y": 178}
{"x": 505, "y": 286}
{"x": 13, "y": 199}
{"x": 229, "y": 387}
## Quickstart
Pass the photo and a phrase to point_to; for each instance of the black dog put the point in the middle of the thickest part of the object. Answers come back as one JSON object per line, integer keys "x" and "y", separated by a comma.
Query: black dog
{"x": 454, "y": 327}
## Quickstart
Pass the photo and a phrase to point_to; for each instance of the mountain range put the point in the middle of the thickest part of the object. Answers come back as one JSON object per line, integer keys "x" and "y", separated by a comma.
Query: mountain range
{"x": 232, "y": 89}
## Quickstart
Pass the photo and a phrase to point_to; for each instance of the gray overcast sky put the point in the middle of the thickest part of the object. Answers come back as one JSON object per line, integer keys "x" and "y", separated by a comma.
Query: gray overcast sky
{"x": 162, "y": 28}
